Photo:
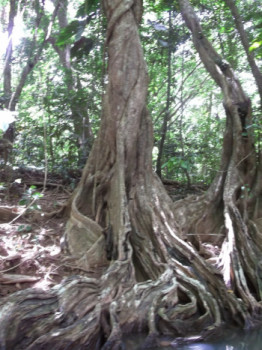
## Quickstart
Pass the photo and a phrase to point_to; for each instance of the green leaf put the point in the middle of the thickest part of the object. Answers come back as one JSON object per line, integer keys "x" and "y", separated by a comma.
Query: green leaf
{"x": 24, "y": 228}
{"x": 255, "y": 45}
{"x": 21, "y": 228}
{"x": 37, "y": 195}
{"x": 184, "y": 164}
{"x": 251, "y": 126}
{"x": 164, "y": 165}
{"x": 87, "y": 7}
{"x": 22, "y": 202}
{"x": 74, "y": 28}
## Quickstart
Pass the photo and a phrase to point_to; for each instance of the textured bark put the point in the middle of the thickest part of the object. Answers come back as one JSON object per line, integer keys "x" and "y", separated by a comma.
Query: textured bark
{"x": 140, "y": 274}
{"x": 229, "y": 204}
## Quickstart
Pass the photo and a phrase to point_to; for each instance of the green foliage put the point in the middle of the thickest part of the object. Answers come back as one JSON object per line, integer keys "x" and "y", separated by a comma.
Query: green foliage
{"x": 87, "y": 7}
{"x": 58, "y": 105}
{"x": 245, "y": 191}
{"x": 161, "y": 6}
{"x": 24, "y": 228}
{"x": 252, "y": 14}
{"x": 75, "y": 28}
{"x": 177, "y": 162}
{"x": 47, "y": 104}
{"x": 82, "y": 48}
{"x": 257, "y": 46}
{"x": 31, "y": 196}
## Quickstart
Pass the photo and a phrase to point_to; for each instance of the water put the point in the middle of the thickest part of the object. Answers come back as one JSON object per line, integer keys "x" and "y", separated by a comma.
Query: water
{"x": 232, "y": 339}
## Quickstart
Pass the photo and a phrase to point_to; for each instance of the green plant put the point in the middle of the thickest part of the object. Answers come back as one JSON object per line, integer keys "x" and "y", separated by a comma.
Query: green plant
{"x": 30, "y": 197}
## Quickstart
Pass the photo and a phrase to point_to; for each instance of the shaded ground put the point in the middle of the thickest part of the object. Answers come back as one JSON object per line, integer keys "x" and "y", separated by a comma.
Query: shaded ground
{"x": 177, "y": 190}
{"x": 31, "y": 243}
{"x": 30, "y": 248}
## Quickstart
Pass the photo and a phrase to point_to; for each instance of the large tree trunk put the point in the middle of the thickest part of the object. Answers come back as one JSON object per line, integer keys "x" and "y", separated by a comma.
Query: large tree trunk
{"x": 140, "y": 275}
{"x": 229, "y": 205}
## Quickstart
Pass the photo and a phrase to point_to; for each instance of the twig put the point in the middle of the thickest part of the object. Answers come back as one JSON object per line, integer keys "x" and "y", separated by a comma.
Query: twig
{"x": 46, "y": 159}
{"x": 14, "y": 267}
{"x": 21, "y": 214}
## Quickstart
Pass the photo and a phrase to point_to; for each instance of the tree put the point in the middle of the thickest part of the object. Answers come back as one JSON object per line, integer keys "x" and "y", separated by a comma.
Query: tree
{"x": 245, "y": 42}
{"x": 141, "y": 274}
{"x": 8, "y": 57}
{"x": 79, "y": 110}
{"x": 236, "y": 186}
{"x": 167, "y": 107}
{"x": 35, "y": 51}
{"x": 33, "y": 55}
{"x": 7, "y": 71}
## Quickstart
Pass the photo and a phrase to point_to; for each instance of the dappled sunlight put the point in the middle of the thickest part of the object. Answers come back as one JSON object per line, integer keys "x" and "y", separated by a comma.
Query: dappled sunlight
{"x": 30, "y": 251}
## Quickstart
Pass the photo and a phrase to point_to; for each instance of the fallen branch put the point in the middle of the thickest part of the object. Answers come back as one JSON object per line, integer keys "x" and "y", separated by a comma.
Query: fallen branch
{"x": 13, "y": 279}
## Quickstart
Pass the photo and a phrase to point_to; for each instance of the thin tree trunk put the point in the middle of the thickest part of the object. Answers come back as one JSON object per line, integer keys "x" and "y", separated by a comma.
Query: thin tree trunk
{"x": 167, "y": 109}
{"x": 245, "y": 42}
{"x": 9, "y": 52}
{"x": 32, "y": 59}
{"x": 79, "y": 112}
{"x": 230, "y": 190}
{"x": 29, "y": 66}
{"x": 181, "y": 136}
{"x": 7, "y": 72}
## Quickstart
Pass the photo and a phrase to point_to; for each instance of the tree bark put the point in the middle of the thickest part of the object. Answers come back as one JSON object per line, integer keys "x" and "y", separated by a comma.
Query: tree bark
{"x": 229, "y": 196}
{"x": 167, "y": 108}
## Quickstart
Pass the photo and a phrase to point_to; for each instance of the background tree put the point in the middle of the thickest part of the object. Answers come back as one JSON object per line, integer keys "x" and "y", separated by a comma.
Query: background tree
{"x": 8, "y": 57}
{"x": 45, "y": 100}
{"x": 79, "y": 110}
{"x": 33, "y": 54}
{"x": 237, "y": 179}
{"x": 245, "y": 42}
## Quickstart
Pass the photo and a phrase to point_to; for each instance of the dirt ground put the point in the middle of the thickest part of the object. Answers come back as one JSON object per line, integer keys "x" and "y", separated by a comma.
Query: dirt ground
{"x": 31, "y": 253}
{"x": 30, "y": 248}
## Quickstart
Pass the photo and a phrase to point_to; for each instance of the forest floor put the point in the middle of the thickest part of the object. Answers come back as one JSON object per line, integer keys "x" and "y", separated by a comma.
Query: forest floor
{"x": 31, "y": 236}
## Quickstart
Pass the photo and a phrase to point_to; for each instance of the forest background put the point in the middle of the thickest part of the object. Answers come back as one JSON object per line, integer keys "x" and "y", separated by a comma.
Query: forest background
{"x": 55, "y": 72}
{"x": 184, "y": 267}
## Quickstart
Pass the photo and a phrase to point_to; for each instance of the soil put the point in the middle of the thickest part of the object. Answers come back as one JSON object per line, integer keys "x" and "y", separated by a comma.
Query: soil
{"x": 31, "y": 235}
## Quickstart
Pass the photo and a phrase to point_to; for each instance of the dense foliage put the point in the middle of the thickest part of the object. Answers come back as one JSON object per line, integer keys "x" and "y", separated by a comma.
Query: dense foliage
{"x": 59, "y": 107}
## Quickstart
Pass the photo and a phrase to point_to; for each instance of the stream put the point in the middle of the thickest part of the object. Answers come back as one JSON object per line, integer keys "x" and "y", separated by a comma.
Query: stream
{"x": 232, "y": 339}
